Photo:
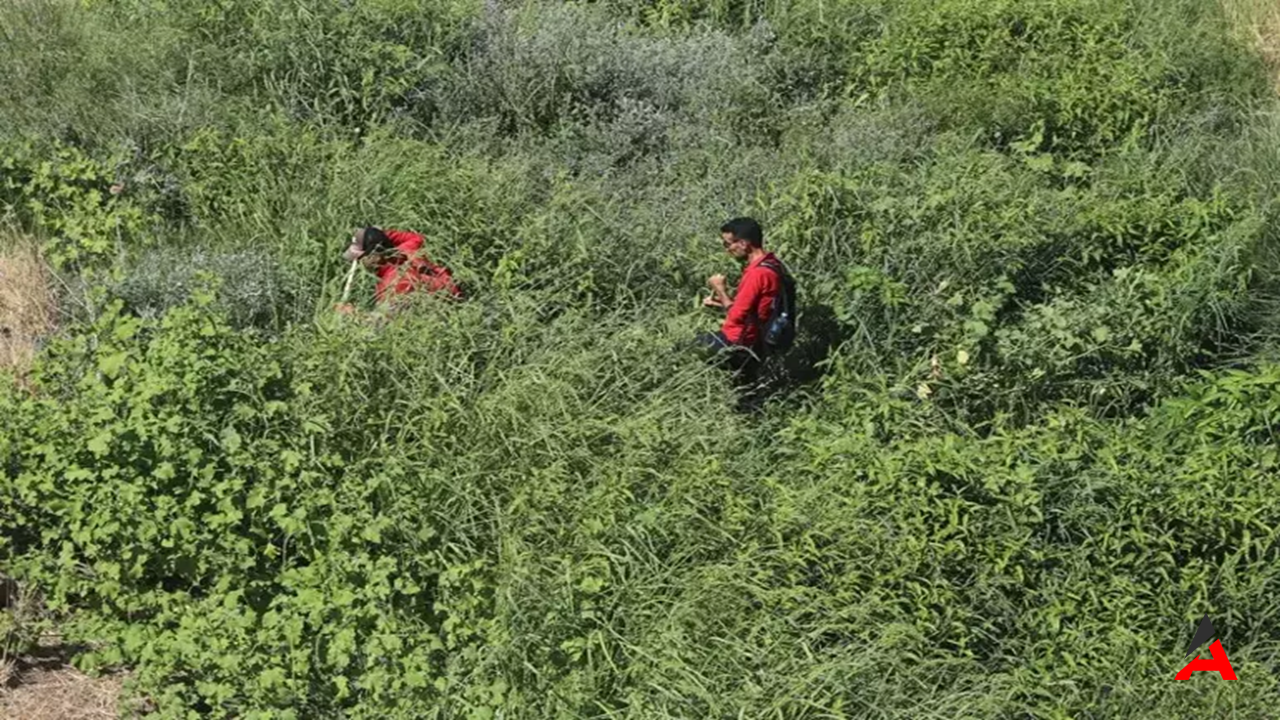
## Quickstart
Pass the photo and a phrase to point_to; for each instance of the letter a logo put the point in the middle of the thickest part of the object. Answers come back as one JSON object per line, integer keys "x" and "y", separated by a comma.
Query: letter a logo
{"x": 1219, "y": 663}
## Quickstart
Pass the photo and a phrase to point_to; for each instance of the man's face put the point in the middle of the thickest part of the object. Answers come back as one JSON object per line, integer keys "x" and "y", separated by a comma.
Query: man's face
{"x": 736, "y": 247}
{"x": 354, "y": 251}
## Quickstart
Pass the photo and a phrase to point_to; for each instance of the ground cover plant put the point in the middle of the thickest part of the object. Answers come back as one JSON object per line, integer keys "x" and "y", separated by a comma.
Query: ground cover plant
{"x": 1026, "y": 439}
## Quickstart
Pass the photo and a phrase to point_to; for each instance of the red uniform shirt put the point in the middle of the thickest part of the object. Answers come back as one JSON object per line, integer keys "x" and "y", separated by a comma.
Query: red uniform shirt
{"x": 757, "y": 290}
{"x": 411, "y": 269}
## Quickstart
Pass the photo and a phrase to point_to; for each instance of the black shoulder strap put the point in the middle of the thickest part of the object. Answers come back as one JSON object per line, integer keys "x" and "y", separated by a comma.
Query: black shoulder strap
{"x": 788, "y": 282}
{"x": 788, "y": 285}
{"x": 775, "y": 265}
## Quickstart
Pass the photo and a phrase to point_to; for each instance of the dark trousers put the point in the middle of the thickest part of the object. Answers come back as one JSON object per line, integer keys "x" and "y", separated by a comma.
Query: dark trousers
{"x": 742, "y": 361}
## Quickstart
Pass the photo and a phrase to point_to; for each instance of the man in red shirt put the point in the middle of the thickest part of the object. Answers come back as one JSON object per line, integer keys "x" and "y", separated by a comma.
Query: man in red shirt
{"x": 742, "y": 332}
{"x": 396, "y": 257}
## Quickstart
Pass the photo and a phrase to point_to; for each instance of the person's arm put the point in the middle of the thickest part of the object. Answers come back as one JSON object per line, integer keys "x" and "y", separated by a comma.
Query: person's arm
{"x": 742, "y": 307}
{"x": 719, "y": 295}
{"x": 407, "y": 243}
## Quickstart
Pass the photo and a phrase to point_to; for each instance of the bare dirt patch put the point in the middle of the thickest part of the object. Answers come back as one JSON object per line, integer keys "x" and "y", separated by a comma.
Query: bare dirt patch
{"x": 28, "y": 307}
{"x": 43, "y": 686}
{"x": 37, "y": 680}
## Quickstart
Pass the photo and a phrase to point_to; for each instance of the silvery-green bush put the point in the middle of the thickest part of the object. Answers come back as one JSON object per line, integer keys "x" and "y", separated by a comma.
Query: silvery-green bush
{"x": 574, "y": 64}
{"x": 254, "y": 288}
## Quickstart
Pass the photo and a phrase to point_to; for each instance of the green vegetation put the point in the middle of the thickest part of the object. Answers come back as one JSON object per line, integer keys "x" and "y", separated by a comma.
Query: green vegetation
{"x": 528, "y": 505}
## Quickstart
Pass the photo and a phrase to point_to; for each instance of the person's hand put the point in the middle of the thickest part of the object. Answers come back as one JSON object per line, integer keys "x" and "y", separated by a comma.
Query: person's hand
{"x": 716, "y": 282}
{"x": 711, "y": 301}
{"x": 345, "y": 309}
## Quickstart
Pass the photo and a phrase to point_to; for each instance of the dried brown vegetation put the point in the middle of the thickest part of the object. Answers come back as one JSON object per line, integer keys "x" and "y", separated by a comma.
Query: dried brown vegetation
{"x": 1258, "y": 22}
{"x": 37, "y": 680}
{"x": 28, "y": 308}
{"x": 44, "y": 687}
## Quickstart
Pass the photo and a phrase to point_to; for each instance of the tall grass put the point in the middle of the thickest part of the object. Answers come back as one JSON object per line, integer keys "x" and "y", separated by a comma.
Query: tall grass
{"x": 1258, "y": 23}
{"x": 1022, "y": 446}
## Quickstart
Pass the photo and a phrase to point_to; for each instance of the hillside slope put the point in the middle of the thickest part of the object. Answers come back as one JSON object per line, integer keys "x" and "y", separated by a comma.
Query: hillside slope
{"x": 1025, "y": 442}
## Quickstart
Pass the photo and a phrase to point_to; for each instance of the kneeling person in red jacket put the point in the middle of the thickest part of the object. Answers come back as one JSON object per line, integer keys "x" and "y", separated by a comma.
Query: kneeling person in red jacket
{"x": 397, "y": 258}
{"x": 742, "y": 333}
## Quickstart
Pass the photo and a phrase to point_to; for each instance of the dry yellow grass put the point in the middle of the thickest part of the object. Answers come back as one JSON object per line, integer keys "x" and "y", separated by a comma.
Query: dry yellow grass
{"x": 39, "y": 683}
{"x": 1258, "y": 22}
{"x": 27, "y": 306}
{"x": 53, "y": 690}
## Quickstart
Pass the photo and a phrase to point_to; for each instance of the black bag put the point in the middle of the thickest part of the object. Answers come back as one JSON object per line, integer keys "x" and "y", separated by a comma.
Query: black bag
{"x": 780, "y": 331}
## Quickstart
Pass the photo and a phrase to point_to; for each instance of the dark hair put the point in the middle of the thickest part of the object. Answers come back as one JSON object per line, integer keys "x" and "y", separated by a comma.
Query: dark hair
{"x": 744, "y": 228}
{"x": 375, "y": 240}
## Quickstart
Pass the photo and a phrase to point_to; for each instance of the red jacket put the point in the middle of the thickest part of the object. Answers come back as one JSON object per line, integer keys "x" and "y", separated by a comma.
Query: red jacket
{"x": 757, "y": 290}
{"x": 410, "y": 269}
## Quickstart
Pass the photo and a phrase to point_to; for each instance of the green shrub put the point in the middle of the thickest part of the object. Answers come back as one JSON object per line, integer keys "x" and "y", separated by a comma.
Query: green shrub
{"x": 81, "y": 75}
{"x": 189, "y": 430}
{"x": 1073, "y": 74}
{"x": 67, "y": 195}
{"x": 1004, "y": 473}
{"x": 330, "y": 61}
{"x": 202, "y": 496}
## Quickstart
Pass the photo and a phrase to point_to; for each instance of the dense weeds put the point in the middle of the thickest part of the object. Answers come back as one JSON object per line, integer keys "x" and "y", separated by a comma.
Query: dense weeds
{"x": 1025, "y": 441}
